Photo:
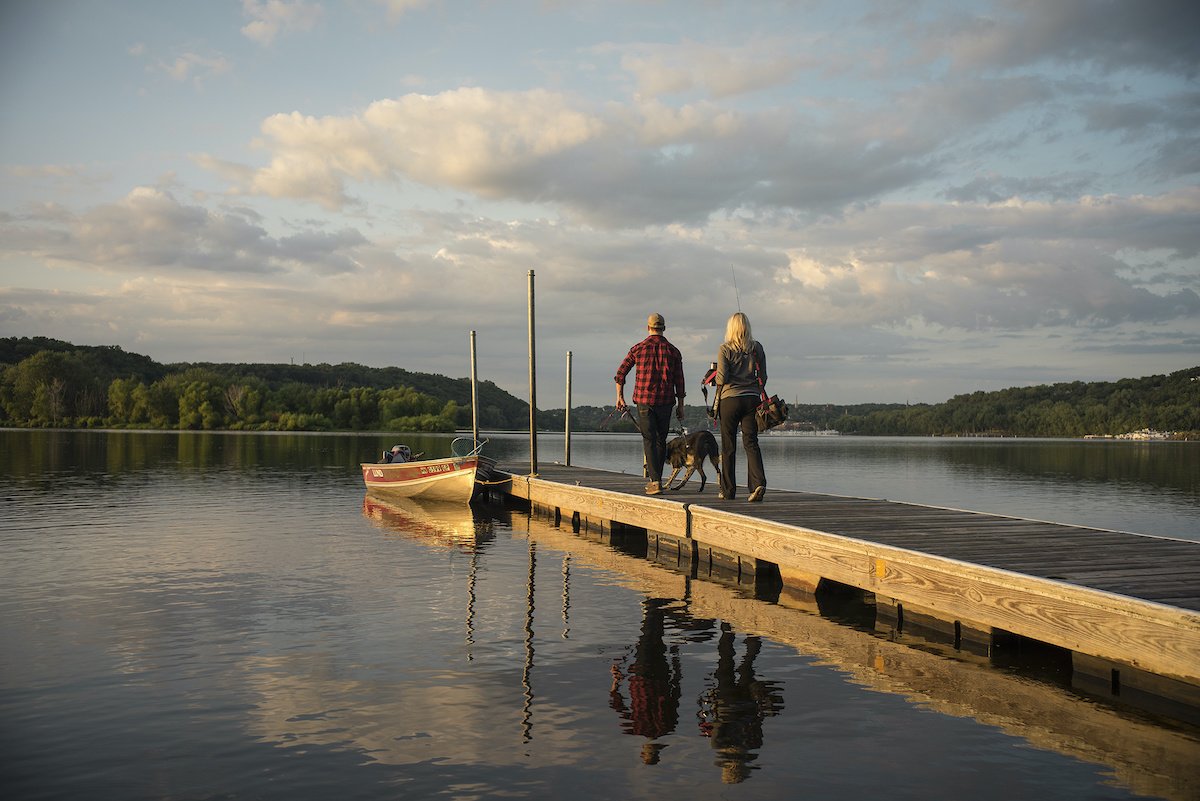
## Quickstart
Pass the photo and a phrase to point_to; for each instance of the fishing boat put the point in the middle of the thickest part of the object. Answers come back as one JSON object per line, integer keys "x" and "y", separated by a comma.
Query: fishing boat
{"x": 450, "y": 479}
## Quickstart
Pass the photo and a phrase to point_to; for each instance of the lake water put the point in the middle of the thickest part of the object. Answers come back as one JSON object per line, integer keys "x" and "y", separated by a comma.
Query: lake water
{"x": 194, "y": 615}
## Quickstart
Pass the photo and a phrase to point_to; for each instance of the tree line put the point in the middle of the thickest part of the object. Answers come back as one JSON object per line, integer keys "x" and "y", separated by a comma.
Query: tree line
{"x": 47, "y": 382}
{"x": 1169, "y": 403}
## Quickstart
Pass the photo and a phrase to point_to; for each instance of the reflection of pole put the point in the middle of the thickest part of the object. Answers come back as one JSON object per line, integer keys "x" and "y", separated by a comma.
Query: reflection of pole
{"x": 474, "y": 396}
{"x": 566, "y": 596}
{"x": 567, "y": 419}
{"x": 526, "y": 676}
{"x": 533, "y": 455}
{"x": 471, "y": 601}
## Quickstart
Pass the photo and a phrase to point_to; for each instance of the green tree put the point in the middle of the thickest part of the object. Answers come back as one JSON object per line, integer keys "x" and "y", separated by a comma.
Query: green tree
{"x": 199, "y": 406}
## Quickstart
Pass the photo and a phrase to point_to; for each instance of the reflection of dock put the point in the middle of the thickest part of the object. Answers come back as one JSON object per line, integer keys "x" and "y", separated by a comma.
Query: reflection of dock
{"x": 1126, "y": 606}
{"x": 1150, "y": 759}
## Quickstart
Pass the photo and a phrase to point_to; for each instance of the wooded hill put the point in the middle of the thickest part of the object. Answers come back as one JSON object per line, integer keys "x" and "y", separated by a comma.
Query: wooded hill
{"x": 1169, "y": 403}
{"x": 47, "y": 382}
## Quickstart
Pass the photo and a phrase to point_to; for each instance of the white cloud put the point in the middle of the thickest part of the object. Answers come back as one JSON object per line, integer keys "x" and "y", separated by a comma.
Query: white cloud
{"x": 150, "y": 232}
{"x": 1013, "y": 266}
{"x": 717, "y": 72}
{"x": 195, "y": 67}
{"x": 628, "y": 164}
{"x": 469, "y": 139}
{"x": 273, "y": 17}
{"x": 397, "y": 8}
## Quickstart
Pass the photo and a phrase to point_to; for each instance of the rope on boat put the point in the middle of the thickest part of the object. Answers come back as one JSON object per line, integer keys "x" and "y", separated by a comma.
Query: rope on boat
{"x": 505, "y": 481}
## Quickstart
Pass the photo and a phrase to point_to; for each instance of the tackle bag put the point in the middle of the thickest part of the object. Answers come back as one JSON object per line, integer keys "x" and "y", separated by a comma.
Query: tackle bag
{"x": 770, "y": 413}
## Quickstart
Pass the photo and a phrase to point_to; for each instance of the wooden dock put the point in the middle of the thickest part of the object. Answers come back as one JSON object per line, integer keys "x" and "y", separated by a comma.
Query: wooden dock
{"x": 1126, "y": 606}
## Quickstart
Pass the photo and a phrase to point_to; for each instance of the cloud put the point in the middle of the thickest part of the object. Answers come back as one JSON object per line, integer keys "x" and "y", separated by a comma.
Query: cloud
{"x": 994, "y": 188}
{"x": 1166, "y": 128}
{"x": 489, "y": 143}
{"x": 195, "y": 67}
{"x": 1156, "y": 35}
{"x": 150, "y": 232}
{"x": 618, "y": 165}
{"x": 273, "y": 17}
{"x": 42, "y": 171}
{"x": 397, "y": 8}
{"x": 1013, "y": 266}
{"x": 1096, "y": 261}
{"x": 717, "y": 72}
{"x": 889, "y": 281}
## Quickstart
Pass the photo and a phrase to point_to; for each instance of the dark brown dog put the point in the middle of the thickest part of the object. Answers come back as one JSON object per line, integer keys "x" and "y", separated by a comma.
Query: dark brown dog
{"x": 690, "y": 452}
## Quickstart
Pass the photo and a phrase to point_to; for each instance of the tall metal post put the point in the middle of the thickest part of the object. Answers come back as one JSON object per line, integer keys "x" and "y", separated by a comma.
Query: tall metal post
{"x": 474, "y": 395}
{"x": 567, "y": 420}
{"x": 533, "y": 454}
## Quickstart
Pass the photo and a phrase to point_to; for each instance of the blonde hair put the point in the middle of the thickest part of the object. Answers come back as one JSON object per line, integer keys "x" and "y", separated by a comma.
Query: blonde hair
{"x": 738, "y": 334}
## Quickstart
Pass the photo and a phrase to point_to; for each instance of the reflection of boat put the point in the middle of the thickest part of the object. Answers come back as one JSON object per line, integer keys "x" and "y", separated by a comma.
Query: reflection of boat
{"x": 432, "y": 522}
{"x": 449, "y": 479}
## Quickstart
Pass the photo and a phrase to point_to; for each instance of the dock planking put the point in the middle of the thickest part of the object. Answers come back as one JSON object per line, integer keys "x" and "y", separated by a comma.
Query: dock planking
{"x": 1129, "y": 598}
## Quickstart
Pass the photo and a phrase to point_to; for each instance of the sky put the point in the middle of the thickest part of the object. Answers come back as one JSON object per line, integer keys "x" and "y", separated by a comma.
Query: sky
{"x": 910, "y": 199}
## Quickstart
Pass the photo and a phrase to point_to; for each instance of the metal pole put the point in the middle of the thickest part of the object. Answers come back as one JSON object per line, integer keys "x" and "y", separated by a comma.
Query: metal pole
{"x": 567, "y": 420}
{"x": 474, "y": 396}
{"x": 533, "y": 454}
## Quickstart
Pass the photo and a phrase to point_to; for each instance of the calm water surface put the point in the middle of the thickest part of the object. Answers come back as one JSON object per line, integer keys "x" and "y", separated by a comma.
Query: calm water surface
{"x": 219, "y": 615}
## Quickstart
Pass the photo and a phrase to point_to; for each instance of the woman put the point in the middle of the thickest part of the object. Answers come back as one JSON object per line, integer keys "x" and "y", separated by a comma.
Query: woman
{"x": 738, "y": 393}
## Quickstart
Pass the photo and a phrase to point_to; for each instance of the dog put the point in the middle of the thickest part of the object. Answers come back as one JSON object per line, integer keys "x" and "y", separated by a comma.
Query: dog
{"x": 690, "y": 451}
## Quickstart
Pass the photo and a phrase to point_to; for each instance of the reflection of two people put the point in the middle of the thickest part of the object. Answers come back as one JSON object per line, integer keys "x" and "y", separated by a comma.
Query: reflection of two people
{"x": 731, "y": 710}
{"x": 733, "y": 707}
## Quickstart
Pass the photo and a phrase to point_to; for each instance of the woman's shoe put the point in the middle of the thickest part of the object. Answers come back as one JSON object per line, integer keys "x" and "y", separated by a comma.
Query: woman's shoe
{"x": 757, "y": 495}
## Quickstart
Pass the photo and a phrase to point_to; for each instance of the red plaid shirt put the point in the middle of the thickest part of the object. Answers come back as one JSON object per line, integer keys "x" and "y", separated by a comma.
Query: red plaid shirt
{"x": 659, "y": 371}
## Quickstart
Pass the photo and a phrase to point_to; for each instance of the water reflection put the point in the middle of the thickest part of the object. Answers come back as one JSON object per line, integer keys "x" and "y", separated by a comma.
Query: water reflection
{"x": 647, "y": 686}
{"x": 733, "y": 708}
{"x": 437, "y": 523}
{"x": 652, "y": 680}
{"x": 527, "y": 670}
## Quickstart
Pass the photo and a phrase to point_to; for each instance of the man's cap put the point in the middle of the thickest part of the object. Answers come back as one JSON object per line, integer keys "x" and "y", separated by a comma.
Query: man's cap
{"x": 656, "y": 322}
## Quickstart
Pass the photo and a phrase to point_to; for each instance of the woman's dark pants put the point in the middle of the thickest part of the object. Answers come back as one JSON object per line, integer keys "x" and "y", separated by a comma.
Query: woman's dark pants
{"x": 735, "y": 411}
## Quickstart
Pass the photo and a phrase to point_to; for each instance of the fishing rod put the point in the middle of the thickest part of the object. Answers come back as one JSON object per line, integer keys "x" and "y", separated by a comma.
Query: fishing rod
{"x": 736, "y": 296}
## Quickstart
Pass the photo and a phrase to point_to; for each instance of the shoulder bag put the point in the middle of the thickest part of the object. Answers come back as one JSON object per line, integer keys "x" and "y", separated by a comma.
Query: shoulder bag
{"x": 771, "y": 411}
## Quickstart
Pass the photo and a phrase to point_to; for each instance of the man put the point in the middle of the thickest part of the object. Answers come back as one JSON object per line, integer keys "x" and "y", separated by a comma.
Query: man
{"x": 659, "y": 382}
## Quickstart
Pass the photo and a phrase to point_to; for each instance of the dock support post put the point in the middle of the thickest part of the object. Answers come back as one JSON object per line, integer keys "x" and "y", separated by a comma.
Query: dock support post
{"x": 474, "y": 396}
{"x": 533, "y": 454}
{"x": 567, "y": 419}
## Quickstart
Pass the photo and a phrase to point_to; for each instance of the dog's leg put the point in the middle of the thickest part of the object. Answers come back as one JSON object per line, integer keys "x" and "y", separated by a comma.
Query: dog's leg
{"x": 686, "y": 476}
{"x": 674, "y": 473}
{"x": 703, "y": 478}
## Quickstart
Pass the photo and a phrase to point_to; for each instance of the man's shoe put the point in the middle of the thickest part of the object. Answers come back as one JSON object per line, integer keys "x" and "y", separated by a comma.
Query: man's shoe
{"x": 757, "y": 495}
{"x": 653, "y": 488}
{"x": 721, "y": 496}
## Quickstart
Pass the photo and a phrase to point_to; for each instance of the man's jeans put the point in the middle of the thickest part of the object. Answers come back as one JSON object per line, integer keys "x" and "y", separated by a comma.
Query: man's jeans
{"x": 655, "y": 423}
